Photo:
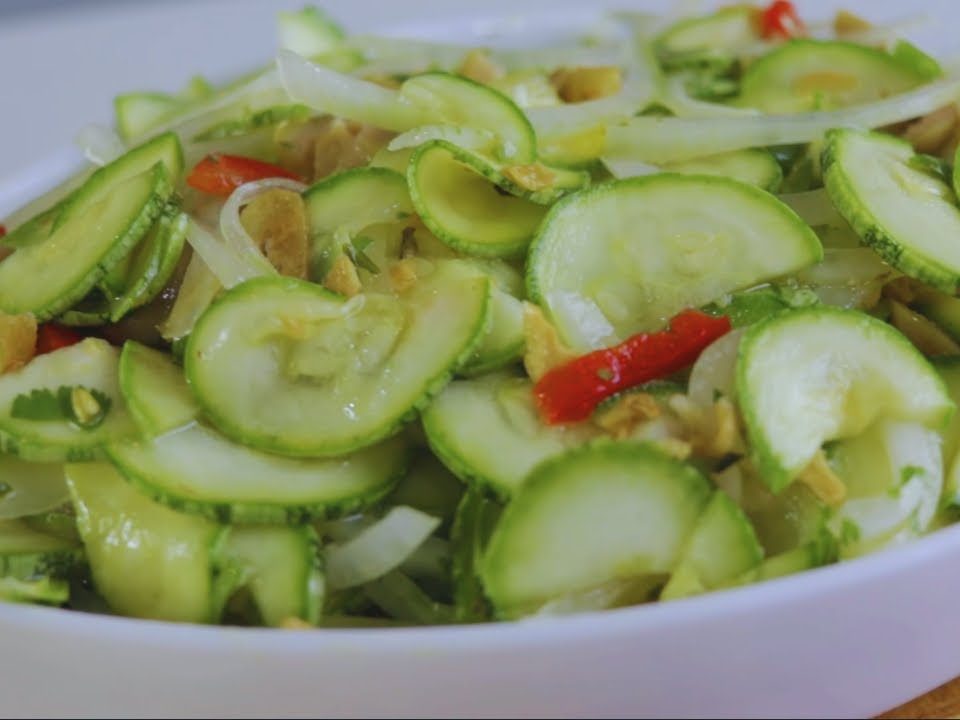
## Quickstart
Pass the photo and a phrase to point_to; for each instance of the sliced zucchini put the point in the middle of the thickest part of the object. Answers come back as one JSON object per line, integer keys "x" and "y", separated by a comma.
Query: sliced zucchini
{"x": 722, "y": 33}
{"x": 476, "y": 518}
{"x": 28, "y": 554}
{"x": 323, "y": 377}
{"x": 137, "y": 113}
{"x": 893, "y": 473}
{"x": 430, "y": 488}
{"x": 41, "y": 591}
{"x": 343, "y": 205}
{"x": 458, "y": 101}
{"x": 198, "y": 471}
{"x": 601, "y": 513}
{"x": 35, "y": 230}
{"x": 805, "y": 75}
{"x": 155, "y": 390}
{"x": 513, "y": 441}
{"x": 90, "y": 364}
{"x": 942, "y": 309}
{"x": 147, "y": 560}
{"x": 723, "y": 546}
{"x": 806, "y": 557}
{"x": 309, "y": 31}
{"x": 820, "y": 374}
{"x": 504, "y": 341}
{"x": 28, "y": 488}
{"x": 622, "y": 258}
{"x": 164, "y": 149}
{"x": 152, "y": 263}
{"x": 909, "y": 217}
{"x": 282, "y": 569}
{"x": 251, "y": 122}
{"x": 949, "y": 369}
{"x": 464, "y": 208}
{"x": 49, "y": 276}
{"x": 754, "y": 167}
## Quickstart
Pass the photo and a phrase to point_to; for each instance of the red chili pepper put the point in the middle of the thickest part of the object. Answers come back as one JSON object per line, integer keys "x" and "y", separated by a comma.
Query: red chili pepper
{"x": 222, "y": 174}
{"x": 52, "y": 337}
{"x": 3, "y": 230}
{"x": 571, "y": 392}
{"x": 780, "y": 19}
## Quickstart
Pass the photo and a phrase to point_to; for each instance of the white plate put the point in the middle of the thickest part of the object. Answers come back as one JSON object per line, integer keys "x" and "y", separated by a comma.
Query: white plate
{"x": 844, "y": 641}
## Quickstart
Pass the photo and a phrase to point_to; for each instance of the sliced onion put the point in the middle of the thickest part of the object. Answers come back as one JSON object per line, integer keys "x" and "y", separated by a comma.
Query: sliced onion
{"x": 224, "y": 262}
{"x": 676, "y": 99}
{"x": 629, "y": 168}
{"x": 815, "y": 208}
{"x": 402, "y": 599}
{"x": 235, "y": 235}
{"x": 715, "y": 370}
{"x": 34, "y": 488}
{"x": 378, "y": 549}
{"x": 100, "y": 144}
{"x": 345, "y": 96}
{"x": 198, "y": 289}
{"x": 662, "y": 140}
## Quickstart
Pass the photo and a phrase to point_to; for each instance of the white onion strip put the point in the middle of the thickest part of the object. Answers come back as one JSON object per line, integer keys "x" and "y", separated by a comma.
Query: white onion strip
{"x": 227, "y": 266}
{"x": 236, "y": 236}
{"x": 100, "y": 144}
{"x": 378, "y": 549}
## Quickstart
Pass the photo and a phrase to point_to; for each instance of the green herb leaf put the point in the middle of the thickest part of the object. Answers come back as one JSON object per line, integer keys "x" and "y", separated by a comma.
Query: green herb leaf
{"x": 84, "y": 407}
{"x": 38, "y": 405}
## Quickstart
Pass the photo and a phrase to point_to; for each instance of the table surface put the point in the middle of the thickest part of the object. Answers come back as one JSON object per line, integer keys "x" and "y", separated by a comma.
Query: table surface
{"x": 939, "y": 704}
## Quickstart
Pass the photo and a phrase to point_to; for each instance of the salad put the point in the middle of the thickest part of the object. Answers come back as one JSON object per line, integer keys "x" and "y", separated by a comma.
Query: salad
{"x": 393, "y": 332}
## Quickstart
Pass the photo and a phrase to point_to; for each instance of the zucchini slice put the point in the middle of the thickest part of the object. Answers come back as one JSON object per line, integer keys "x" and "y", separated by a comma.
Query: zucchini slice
{"x": 29, "y": 554}
{"x": 476, "y": 518}
{"x": 598, "y": 514}
{"x": 91, "y": 364}
{"x": 722, "y": 33}
{"x": 504, "y": 341}
{"x": 755, "y": 167}
{"x": 282, "y": 568}
{"x": 624, "y": 257}
{"x": 147, "y": 560}
{"x": 458, "y": 101}
{"x": 513, "y": 440}
{"x": 322, "y": 376}
{"x": 821, "y": 374}
{"x": 81, "y": 249}
{"x": 805, "y": 75}
{"x": 909, "y": 217}
{"x": 723, "y": 547}
{"x": 464, "y": 208}
{"x": 198, "y": 471}
{"x": 155, "y": 390}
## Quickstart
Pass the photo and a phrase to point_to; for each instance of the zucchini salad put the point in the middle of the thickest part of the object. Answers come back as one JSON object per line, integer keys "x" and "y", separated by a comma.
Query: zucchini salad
{"x": 394, "y": 332}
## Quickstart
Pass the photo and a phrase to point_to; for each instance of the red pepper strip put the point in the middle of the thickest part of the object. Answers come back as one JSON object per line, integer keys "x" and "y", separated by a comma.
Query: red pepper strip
{"x": 222, "y": 174}
{"x": 780, "y": 19}
{"x": 3, "y": 230}
{"x": 571, "y": 392}
{"x": 52, "y": 337}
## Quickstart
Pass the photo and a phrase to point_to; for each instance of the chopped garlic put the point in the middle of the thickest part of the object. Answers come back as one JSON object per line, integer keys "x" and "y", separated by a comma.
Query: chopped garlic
{"x": 18, "y": 340}
{"x": 848, "y": 23}
{"x": 823, "y": 481}
{"x": 533, "y": 177}
{"x": 403, "y": 274}
{"x": 932, "y": 131}
{"x": 628, "y": 413}
{"x": 276, "y": 221}
{"x": 580, "y": 84}
{"x": 478, "y": 66}
{"x": 545, "y": 350}
{"x": 343, "y": 277}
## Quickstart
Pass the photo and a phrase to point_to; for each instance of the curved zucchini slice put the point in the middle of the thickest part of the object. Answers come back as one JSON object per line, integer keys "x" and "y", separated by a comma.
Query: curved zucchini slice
{"x": 909, "y": 217}
{"x": 806, "y": 75}
{"x": 164, "y": 149}
{"x": 282, "y": 568}
{"x": 323, "y": 377}
{"x": 820, "y": 374}
{"x": 91, "y": 364}
{"x": 622, "y": 258}
{"x": 716, "y": 35}
{"x": 476, "y": 518}
{"x": 29, "y": 488}
{"x": 464, "y": 208}
{"x": 754, "y": 167}
{"x": 48, "y": 277}
{"x": 461, "y": 102}
{"x": 147, "y": 560}
{"x": 513, "y": 440}
{"x": 155, "y": 390}
{"x": 341, "y": 206}
{"x": 723, "y": 547}
{"x": 198, "y": 471}
{"x": 598, "y": 514}
{"x": 504, "y": 341}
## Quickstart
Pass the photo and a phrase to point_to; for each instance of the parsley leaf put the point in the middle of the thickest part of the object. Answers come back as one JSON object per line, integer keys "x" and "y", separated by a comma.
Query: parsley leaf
{"x": 84, "y": 407}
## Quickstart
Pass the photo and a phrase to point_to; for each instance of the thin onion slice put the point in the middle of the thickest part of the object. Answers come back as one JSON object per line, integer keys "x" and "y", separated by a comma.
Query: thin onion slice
{"x": 100, "y": 144}
{"x": 378, "y": 549}
{"x": 198, "y": 289}
{"x": 224, "y": 262}
{"x": 662, "y": 140}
